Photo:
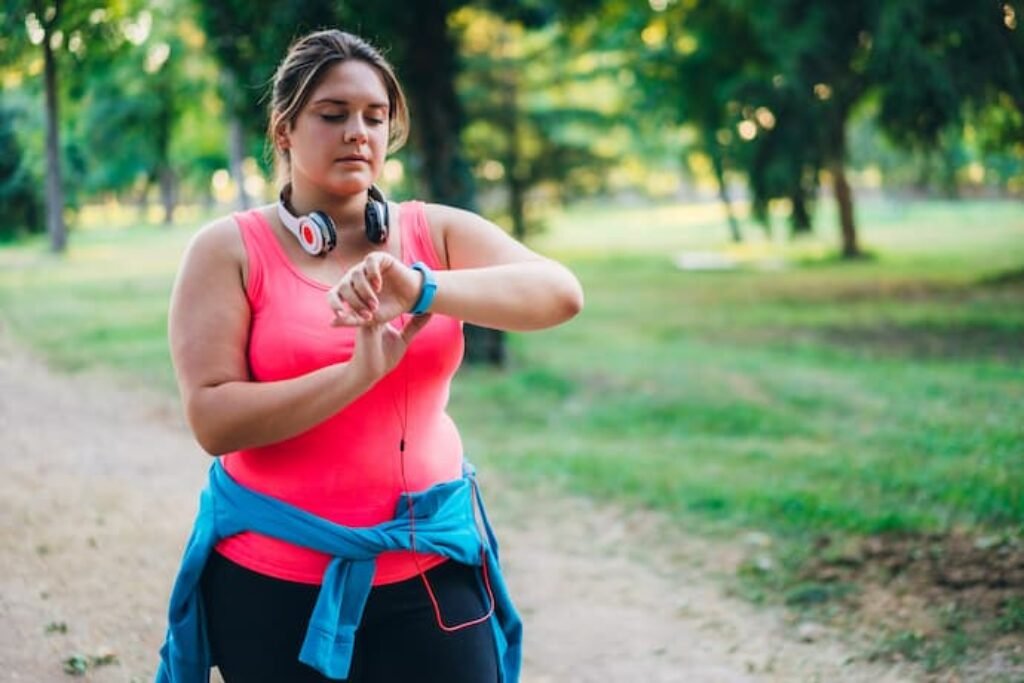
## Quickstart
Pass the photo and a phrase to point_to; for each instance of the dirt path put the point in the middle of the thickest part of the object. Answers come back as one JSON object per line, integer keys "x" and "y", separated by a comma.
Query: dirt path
{"x": 98, "y": 486}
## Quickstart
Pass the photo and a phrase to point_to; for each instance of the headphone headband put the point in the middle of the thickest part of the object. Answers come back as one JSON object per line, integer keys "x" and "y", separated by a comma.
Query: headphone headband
{"x": 316, "y": 232}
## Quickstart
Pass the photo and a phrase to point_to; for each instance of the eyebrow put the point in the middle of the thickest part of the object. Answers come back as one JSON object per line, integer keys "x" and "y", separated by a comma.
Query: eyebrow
{"x": 331, "y": 100}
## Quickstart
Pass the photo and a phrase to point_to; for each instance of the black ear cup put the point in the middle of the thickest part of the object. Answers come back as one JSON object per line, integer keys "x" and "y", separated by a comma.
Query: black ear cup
{"x": 377, "y": 217}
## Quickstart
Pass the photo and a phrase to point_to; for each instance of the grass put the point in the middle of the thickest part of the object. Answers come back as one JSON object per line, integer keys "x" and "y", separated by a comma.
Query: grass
{"x": 875, "y": 396}
{"x": 103, "y": 304}
{"x": 872, "y": 396}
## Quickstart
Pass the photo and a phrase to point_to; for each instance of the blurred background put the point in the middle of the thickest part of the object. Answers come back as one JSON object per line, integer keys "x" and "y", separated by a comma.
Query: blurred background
{"x": 800, "y": 227}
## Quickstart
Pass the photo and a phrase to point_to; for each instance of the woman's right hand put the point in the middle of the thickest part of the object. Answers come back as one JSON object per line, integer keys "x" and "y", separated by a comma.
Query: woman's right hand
{"x": 380, "y": 346}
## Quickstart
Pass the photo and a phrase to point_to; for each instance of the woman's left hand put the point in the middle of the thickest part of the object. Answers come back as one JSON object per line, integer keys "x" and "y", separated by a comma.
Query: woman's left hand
{"x": 376, "y": 290}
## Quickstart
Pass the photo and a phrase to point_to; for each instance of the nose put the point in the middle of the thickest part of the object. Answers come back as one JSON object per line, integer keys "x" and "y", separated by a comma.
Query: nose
{"x": 355, "y": 129}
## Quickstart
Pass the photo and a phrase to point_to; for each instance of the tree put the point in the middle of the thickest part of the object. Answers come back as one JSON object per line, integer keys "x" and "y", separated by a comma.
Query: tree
{"x": 823, "y": 49}
{"x": 693, "y": 60}
{"x": 783, "y": 159}
{"x": 131, "y": 103}
{"x": 931, "y": 63}
{"x": 940, "y": 63}
{"x": 526, "y": 126}
{"x": 63, "y": 32}
{"x": 249, "y": 39}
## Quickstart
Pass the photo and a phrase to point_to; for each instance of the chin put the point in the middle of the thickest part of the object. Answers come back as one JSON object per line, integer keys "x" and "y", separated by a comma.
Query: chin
{"x": 349, "y": 184}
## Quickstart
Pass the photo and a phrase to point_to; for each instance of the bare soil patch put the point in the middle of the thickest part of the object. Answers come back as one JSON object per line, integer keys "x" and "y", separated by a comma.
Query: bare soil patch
{"x": 953, "y": 602}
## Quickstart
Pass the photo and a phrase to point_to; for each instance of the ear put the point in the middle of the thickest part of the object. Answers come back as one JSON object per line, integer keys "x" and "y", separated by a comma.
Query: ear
{"x": 282, "y": 140}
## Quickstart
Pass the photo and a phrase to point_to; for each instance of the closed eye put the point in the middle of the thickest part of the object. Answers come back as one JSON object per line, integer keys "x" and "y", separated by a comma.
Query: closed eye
{"x": 335, "y": 118}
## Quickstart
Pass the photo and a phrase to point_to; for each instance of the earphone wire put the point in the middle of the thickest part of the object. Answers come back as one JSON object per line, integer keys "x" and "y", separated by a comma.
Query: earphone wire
{"x": 403, "y": 421}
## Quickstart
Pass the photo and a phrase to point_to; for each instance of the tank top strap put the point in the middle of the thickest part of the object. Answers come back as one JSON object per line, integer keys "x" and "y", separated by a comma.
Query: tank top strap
{"x": 261, "y": 247}
{"x": 416, "y": 238}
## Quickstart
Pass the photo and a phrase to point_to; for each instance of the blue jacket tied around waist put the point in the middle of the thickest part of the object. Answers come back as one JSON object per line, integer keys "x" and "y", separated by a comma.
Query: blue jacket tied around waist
{"x": 444, "y": 524}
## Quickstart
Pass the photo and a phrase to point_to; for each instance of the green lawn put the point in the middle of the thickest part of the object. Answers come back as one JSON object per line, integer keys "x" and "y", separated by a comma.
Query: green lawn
{"x": 880, "y": 395}
{"x": 883, "y": 394}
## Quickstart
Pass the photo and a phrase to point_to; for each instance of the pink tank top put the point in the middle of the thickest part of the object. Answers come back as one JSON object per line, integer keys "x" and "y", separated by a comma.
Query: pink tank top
{"x": 348, "y": 468}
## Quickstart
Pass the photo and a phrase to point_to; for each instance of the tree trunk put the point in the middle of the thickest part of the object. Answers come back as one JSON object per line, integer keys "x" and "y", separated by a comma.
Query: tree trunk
{"x": 236, "y": 154}
{"x": 950, "y": 186}
{"x": 844, "y": 198}
{"x": 515, "y": 184}
{"x": 168, "y": 193}
{"x": 55, "y": 226}
{"x": 517, "y": 207}
{"x": 723, "y": 194}
{"x": 844, "y": 194}
{"x": 428, "y": 72}
{"x": 800, "y": 218}
{"x": 142, "y": 200}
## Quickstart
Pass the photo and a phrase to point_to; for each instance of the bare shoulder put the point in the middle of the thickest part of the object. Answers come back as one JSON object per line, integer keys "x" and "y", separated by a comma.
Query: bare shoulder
{"x": 469, "y": 240}
{"x": 220, "y": 238}
{"x": 447, "y": 222}
{"x": 218, "y": 245}
{"x": 442, "y": 216}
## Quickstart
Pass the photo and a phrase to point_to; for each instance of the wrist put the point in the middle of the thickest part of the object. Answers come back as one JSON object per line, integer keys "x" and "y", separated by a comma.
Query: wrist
{"x": 359, "y": 375}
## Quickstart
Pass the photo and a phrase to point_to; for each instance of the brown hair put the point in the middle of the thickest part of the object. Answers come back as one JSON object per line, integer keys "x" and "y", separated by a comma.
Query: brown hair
{"x": 304, "y": 67}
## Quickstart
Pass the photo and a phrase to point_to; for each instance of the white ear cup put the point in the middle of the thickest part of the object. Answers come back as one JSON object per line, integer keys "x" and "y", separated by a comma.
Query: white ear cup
{"x": 324, "y": 227}
{"x": 310, "y": 237}
{"x": 315, "y": 231}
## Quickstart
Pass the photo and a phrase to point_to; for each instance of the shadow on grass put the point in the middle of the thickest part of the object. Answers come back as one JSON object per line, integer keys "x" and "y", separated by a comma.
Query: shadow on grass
{"x": 949, "y": 341}
{"x": 1006, "y": 278}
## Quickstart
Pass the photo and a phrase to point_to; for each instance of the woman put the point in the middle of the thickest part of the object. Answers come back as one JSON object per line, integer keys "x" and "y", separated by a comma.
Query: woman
{"x": 314, "y": 343}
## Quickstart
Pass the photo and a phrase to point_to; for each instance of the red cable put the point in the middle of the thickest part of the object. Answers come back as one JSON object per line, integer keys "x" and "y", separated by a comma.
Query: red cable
{"x": 403, "y": 418}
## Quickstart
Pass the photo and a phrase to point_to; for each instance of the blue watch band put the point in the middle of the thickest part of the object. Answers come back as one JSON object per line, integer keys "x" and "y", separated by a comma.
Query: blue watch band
{"x": 427, "y": 291}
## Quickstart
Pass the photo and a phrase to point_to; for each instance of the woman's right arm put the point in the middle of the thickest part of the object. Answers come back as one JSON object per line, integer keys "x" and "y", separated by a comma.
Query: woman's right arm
{"x": 208, "y": 327}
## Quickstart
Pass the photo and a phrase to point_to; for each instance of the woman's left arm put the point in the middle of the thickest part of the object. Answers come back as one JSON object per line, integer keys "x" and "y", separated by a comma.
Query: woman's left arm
{"x": 494, "y": 281}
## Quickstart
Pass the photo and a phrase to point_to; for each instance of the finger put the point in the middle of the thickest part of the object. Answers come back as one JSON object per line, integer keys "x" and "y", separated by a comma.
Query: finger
{"x": 364, "y": 290}
{"x": 334, "y": 299}
{"x": 372, "y": 272}
{"x": 342, "y": 299}
{"x": 343, "y": 310}
{"x": 348, "y": 319}
{"x": 355, "y": 302}
{"x": 413, "y": 327}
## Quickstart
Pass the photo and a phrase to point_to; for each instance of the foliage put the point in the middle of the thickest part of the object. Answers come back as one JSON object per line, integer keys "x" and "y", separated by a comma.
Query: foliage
{"x": 937, "y": 61}
{"x": 578, "y": 97}
{"x": 529, "y": 127}
{"x": 249, "y": 39}
{"x": 771, "y": 88}
{"x": 19, "y": 199}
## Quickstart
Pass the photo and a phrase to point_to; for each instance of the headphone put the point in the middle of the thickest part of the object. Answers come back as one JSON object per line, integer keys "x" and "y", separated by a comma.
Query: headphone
{"x": 316, "y": 232}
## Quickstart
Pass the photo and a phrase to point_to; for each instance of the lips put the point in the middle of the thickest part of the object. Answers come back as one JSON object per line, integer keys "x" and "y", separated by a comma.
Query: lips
{"x": 354, "y": 157}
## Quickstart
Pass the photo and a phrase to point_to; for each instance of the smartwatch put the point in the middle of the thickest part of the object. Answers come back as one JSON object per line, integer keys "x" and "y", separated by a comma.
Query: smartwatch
{"x": 427, "y": 291}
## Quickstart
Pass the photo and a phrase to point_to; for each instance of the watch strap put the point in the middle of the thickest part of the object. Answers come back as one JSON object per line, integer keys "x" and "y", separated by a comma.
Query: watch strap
{"x": 427, "y": 291}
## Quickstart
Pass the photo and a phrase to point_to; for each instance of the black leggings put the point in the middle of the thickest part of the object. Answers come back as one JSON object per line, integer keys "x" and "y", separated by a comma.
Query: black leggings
{"x": 257, "y": 623}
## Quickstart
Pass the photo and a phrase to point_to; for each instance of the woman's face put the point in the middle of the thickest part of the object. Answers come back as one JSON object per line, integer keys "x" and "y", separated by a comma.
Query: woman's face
{"x": 339, "y": 140}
